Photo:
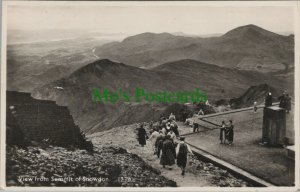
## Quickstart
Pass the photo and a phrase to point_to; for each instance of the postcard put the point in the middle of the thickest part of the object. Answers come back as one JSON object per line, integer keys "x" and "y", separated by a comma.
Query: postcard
{"x": 150, "y": 96}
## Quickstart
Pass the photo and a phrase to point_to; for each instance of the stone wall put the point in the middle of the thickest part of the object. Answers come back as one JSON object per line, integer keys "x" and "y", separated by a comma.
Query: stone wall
{"x": 40, "y": 119}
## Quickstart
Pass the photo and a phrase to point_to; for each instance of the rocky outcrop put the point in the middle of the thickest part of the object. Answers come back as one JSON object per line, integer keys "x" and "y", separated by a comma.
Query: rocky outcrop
{"x": 29, "y": 119}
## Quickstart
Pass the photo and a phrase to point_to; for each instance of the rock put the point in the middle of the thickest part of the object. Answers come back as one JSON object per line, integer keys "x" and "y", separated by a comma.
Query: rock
{"x": 108, "y": 162}
{"x": 36, "y": 151}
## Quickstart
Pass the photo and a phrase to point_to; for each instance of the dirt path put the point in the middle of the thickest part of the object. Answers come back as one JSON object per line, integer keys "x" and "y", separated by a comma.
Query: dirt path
{"x": 207, "y": 175}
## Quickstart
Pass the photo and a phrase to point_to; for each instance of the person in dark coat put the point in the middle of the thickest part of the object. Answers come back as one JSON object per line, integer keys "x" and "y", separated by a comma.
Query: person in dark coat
{"x": 174, "y": 128}
{"x": 230, "y": 133}
{"x": 184, "y": 116}
{"x": 168, "y": 152}
{"x": 160, "y": 119}
{"x": 288, "y": 103}
{"x": 182, "y": 151}
{"x": 283, "y": 100}
{"x": 142, "y": 136}
{"x": 181, "y": 115}
{"x": 196, "y": 127}
{"x": 151, "y": 125}
{"x": 159, "y": 143}
{"x": 222, "y": 132}
{"x": 164, "y": 123}
{"x": 268, "y": 100}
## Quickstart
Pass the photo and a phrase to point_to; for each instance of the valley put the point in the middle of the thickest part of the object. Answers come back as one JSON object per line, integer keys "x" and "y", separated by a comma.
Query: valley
{"x": 66, "y": 71}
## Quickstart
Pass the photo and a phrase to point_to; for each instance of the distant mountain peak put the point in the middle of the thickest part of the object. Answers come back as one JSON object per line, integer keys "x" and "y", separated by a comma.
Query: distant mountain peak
{"x": 104, "y": 62}
{"x": 100, "y": 65}
{"x": 249, "y": 30}
{"x": 148, "y": 36}
{"x": 251, "y": 26}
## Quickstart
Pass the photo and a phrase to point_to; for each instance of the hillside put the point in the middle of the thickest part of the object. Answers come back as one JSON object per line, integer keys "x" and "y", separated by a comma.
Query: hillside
{"x": 31, "y": 65}
{"x": 254, "y": 93}
{"x": 185, "y": 75}
{"x": 248, "y": 47}
{"x": 146, "y": 49}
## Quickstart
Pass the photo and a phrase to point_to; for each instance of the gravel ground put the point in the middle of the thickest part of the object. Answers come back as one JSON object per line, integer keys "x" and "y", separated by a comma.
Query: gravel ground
{"x": 118, "y": 161}
{"x": 56, "y": 166}
{"x": 198, "y": 173}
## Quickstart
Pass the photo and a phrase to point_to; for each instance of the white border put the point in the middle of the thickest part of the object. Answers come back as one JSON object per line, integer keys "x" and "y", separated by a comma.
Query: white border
{"x": 295, "y": 4}
{"x": 3, "y": 97}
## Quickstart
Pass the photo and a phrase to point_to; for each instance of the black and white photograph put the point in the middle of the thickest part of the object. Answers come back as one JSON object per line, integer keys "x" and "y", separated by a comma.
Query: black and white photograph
{"x": 150, "y": 95}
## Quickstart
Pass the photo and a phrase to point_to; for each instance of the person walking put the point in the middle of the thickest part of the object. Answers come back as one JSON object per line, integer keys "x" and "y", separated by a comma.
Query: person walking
{"x": 268, "y": 100}
{"x": 196, "y": 127}
{"x": 142, "y": 135}
{"x": 172, "y": 117}
{"x": 184, "y": 116}
{"x": 174, "y": 127}
{"x": 168, "y": 153}
{"x": 168, "y": 127}
{"x": 201, "y": 113}
{"x": 164, "y": 122}
{"x": 222, "y": 132}
{"x": 230, "y": 133}
{"x": 255, "y": 107}
{"x": 172, "y": 136}
{"x": 164, "y": 131}
{"x": 288, "y": 103}
{"x": 283, "y": 100}
{"x": 159, "y": 143}
{"x": 151, "y": 125}
{"x": 153, "y": 139}
{"x": 182, "y": 151}
{"x": 161, "y": 118}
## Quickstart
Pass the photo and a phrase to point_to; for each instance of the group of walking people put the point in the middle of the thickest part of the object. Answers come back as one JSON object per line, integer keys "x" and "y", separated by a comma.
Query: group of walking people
{"x": 226, "y": 133}
{"x": 165, "y": 144}
{"x": 285, "y": 101}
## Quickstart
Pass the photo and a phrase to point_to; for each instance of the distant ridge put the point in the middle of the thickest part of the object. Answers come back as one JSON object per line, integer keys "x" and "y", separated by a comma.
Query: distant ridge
{"x": 182, "y": 75}
{"x": 247, "y": 47}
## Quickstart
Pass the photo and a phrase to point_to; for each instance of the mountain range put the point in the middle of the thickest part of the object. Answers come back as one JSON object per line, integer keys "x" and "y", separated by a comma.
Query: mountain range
{"x": 248, "y": 48}
{"x": 184, "y": 75}
{"x": 31, "y": 65}
{"x": 223, "y": 67}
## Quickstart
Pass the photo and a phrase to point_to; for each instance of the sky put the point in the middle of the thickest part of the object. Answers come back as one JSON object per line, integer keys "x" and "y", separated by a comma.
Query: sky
{"x": 198, "y": 20}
